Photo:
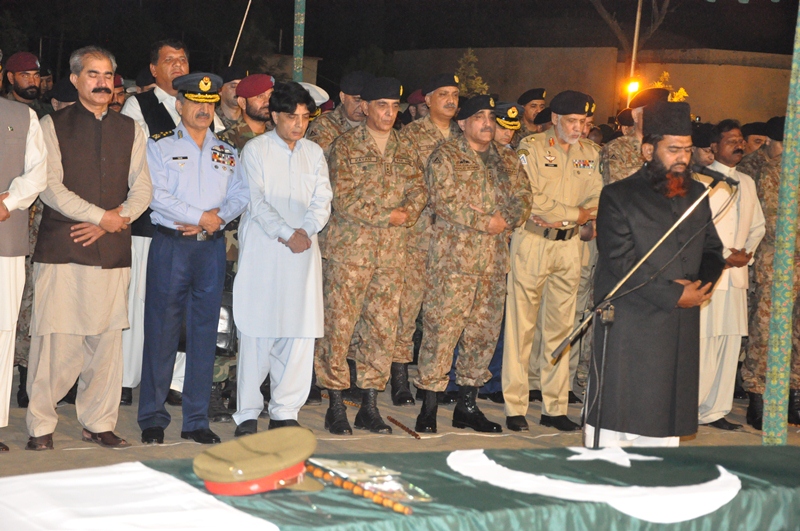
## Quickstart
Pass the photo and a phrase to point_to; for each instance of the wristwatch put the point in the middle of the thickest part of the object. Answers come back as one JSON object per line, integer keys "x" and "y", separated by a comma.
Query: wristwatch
{"x": 564, "y": 223}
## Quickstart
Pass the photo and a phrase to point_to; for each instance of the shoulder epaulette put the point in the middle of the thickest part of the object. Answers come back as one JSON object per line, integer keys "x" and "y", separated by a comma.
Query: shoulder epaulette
{"x": 159, "y": 136}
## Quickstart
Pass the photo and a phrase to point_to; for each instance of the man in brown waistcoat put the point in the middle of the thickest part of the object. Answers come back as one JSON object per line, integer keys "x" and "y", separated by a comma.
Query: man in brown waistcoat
{"x": 23, "y": 175}
{"x": 97, "y": 183}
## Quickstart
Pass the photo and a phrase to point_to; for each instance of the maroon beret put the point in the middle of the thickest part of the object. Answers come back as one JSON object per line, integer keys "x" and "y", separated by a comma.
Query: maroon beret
{"x": 22, "y": 62}
{"x": 416, "y": 97}
{"x": 118, "y": 81}
{"x": 253, "y": 85}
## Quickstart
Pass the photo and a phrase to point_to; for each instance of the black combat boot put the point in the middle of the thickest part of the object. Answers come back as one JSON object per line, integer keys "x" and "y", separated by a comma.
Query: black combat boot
{"x": 755, "y": 410}
{"x": 467, "y": 415}
{"x": 353, "y": 393}
{"x": 426, "y": 421}
{"x": 401, "y": 394}
{"x": 368, "y": 416}
{"x": 217, "y": 412}
{"x": 336, "y": 416}
{"x": 22, "y": 392}
{"x": 794, "y": 406}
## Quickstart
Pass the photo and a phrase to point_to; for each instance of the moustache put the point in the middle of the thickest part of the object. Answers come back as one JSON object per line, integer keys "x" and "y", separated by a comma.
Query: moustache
{"x": 450, "y": 106}
{"x": 102, "y": 89}
{"x": 738, "y": 151}
{"x": 202, "y": 115}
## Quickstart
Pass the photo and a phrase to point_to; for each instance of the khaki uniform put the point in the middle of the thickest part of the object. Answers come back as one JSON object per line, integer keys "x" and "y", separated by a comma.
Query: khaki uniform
{"x": 621, "y": 158}
{"x": 546, "y": 269}
{"x": 466, "y": 265}
{"x": 327, "y": 128}
{"x": 422, "y": 137}
{"x": 365, "y": 256}
{"x": 754, "y": 369}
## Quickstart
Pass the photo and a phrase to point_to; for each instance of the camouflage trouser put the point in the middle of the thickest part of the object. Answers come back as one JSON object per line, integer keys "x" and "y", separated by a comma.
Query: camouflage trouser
{"x": 463, "y": 310}
{"x": 581, "y": 351}
{"x": 754, "y": 369}
{"x": 222, "y": 368}
{"x": 370, "y": 297}
{"x": 22, "y": 346}
{"x": 410, "y": 305}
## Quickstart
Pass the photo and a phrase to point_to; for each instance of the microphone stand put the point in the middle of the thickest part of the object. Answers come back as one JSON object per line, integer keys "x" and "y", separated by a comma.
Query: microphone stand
{"x": 606, "y": 310}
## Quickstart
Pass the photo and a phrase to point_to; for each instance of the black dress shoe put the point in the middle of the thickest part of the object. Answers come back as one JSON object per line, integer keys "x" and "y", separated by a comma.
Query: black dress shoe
{"x": 217, "y": 411}
{"x": 496, "y": 397}
{"x": 517, "y": 423}
{"x": 127, "y": 397}
{"x": 202, "y": 436}
{"x": 467, "y": 415}
{"x": 723, "y": 424}
{"x": 573, "y": 398}
{"x": 3, "y": 447}
{"x": 274, "y": 424}
{"x": 314, "y": 396}
{"x": 368, "y": 416}
{"x": 247, "y": 427}
{"x": 755, "y": 411}
{"x": 534, "y": 395}
{"x": 174, "y": 398}
{"x": 153, "y": 435}
{"x": 22, "y": 391}
{"x": 401, "y": 392}
{"x": 559, "y": 422}
{"x": 336, "y": 416}
{"x": 426, "y": 420}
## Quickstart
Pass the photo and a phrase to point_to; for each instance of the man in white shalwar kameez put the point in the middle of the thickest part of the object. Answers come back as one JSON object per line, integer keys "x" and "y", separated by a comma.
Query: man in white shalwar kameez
{"x": 723, "y": 319}
{"x": 23, "y": 176}
{"x": 277, "y": 295}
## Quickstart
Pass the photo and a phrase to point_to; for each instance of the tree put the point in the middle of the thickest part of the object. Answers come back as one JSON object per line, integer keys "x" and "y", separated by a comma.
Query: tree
{"x": 469, "y": 82}
{"x": 658, "y": 13}
{"x": 665, "y": 83}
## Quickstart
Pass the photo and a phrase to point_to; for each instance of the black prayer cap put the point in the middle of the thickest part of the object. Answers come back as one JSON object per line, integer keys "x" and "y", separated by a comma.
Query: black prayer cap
{"x": 625, "y": 117}
{"x": 754, "y": 128}
{"x": 667, "y": 118}
{"x": 63, "y": 91}
{"x": 570, "y": 102}
{"x": 532, "y": 94}
{"x": 353, "y": 83}
{"x": 544, "y": 117}
{"x": 774, "y": 128}
{"x": 649, "y": 96}
{"x": 232, "y": 73}
{"x": 379, "y": 88}
{"x": 439, "y": 81}
{"x": 475, "y": 104}
{"x": 701, "y": 135}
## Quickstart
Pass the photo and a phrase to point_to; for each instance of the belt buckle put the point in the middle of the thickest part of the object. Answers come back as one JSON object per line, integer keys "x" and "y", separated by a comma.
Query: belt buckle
{"x": 546, "y": 233}
{"x": 202, "y": 236}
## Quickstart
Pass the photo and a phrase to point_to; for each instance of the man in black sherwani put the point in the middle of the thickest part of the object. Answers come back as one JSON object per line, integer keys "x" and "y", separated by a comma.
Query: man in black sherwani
{"x": 652, "y": 360}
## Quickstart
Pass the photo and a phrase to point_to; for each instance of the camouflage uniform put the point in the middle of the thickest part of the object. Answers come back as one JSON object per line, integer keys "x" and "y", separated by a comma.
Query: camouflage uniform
{"x": 327, "y": 128}
{"x": 519, "y": 134}
{"x": 38, "y": 106}
{"x": 466, "y": 266}
{"x": 227, "y": 122}
{"x": 22, "y": 345}
{"x": 754, "y": 368}
{"x": 621, "y": 158}
{"x": 365, "y": 256}
{"x": 752, "y": 163}
{"x": 422, "y": 137}
{"x": 240, "y": 133}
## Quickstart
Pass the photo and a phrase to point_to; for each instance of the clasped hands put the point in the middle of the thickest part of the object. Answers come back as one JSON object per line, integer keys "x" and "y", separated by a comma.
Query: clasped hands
{"x": 585, "y": 215}
{"x": 87, "y": 233}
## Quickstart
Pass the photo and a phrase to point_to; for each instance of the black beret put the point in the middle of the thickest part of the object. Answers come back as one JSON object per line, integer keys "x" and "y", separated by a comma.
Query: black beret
{"x": 648, "y": 96}
{"x": 544, "y": 117}
{"x": 530, "y": 95}
{"x": 379, "y": 88}
{"x": 570, "y": 102}
{"x": 774, "y": 128}
{"x": 667, "y": 118}
{"x": 625, "y": 117}
{"x": 353, "y": 83}
{"x": 144, "y": 77}
{"x": 63, "y": 91}
{"x": 592, "y": 106}
{"x": 474, "y": 105}
{"x": 438, "y": 81}
{"x": 754, "y": 128}
{"x": 701, "y": 135}
{"x": 607, "y": 132}
{"x": 45, "y": 70}
{"x": 507, "y": 115}
{"x": 232, "y": 73}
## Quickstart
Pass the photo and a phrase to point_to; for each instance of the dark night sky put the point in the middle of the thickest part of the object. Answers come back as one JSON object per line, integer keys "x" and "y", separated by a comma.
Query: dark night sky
{"x": 337, "y": 30}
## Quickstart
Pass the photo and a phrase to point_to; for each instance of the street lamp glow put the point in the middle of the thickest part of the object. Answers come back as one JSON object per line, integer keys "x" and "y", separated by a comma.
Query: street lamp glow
{"x": 633, "y": 87}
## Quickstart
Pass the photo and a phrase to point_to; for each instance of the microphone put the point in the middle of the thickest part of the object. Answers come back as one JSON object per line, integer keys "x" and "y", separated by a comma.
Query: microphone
{"x": 715, "y": 175}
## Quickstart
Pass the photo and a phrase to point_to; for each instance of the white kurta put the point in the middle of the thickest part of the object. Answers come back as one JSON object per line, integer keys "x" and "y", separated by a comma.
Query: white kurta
{"x": 278, "y": 293}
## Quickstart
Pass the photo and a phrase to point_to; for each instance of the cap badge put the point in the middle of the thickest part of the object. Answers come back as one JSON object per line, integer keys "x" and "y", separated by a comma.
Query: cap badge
{"x": 544, "y": 94}
{"x": 594, "y": 106}
{"x": 401, "y": 90}
{"x": 455, "y": 78}
{"x": 205, "y": 84}
{"x": 491, "y": 102}
{"x": 512, "y": 112}
{"x": 587, "y": 107}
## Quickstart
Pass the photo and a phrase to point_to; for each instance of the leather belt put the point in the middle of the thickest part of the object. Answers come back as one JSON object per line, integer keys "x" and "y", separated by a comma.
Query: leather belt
{"x": 201, "y": 237}
{"x": 551, "y": 234}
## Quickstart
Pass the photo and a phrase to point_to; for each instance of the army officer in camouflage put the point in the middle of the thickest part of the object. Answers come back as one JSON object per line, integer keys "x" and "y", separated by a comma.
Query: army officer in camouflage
{"x": 479, "y": 194}
{"x": 378, "y": 192}
{"x": 327, "y": 128}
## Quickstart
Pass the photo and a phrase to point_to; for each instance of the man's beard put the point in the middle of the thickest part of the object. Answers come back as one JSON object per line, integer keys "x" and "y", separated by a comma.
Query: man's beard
{"x": 667, "y": 183}
{"x": 260, "y": 115}
{"x": 27, "y": 93}
{"x": 564, "y": 136}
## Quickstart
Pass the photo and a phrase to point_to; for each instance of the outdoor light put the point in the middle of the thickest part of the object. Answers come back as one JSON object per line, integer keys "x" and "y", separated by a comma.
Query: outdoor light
{"x": 633, "y": 87}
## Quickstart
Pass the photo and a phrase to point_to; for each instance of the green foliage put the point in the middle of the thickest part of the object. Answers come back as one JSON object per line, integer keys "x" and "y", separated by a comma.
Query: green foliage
{"x": 469, "y": 82}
